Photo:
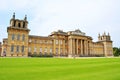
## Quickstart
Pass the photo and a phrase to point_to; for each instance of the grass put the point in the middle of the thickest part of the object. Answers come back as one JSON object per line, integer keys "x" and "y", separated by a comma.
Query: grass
{"x": 59, "y": 69}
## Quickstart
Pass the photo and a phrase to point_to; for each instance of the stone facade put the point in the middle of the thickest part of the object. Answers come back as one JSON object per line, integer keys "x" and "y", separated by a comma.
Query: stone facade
{"x": 58, "y": 43}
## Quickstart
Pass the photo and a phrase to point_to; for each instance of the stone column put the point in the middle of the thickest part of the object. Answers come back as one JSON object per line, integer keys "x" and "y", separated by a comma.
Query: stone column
{"x": 63, "y": 43}
{"x": 73, "y": 49}
{"x": 54, "y": 47}
{"x": 70, "y": 47}
{"x": 81, "y": 47}
{"x": 59, "y": 47}
{"x": 84, "y": 47}
{"x": 77, "y": 46}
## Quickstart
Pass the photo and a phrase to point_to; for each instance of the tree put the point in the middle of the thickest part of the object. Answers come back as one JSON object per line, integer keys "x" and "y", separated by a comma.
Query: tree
{"x": 116, "y": 51}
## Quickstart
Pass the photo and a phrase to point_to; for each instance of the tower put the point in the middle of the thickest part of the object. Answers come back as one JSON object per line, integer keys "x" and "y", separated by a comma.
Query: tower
{"x": 106, "y": 40}
{"x": 17, "y": 37}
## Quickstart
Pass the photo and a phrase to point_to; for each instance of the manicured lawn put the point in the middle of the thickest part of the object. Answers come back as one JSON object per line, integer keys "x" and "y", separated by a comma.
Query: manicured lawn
{"x": 59, "y": 69}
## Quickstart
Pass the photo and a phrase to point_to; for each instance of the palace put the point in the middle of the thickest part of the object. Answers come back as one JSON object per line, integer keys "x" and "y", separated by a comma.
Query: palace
{"x": 58, "y": 43}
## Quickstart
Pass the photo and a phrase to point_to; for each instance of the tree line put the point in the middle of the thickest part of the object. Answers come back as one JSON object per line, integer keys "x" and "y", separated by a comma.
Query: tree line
{"x": 116, "y": 51}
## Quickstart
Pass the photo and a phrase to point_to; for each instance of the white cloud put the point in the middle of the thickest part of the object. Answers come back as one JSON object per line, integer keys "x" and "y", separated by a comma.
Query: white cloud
{"x": 91, "y": 16}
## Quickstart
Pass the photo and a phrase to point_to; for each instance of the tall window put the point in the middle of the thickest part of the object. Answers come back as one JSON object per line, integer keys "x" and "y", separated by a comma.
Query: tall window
{"x": 40, "y": 49}
{"x": 35, "y": 49}
{"x": 19, "y": 25}
{"x": 50, "y": 50}
{"x": 56, "y": 41}
{"x": 18, "y": 37}
{"x": 50, "y": 41}
{"x": 23, "y": 37}
{"x": 40, "y": 41}
{"x": 56, "y": 50}
{"x": 13, "y": 36}
{"x": 12, "y": 48}
{"x": 45, "y": 50}
{"x": 61, "y": 42}
{"x": 29, "y": 49}
{"x": 22, "y": 49}
{"x": 23, "y": 24}
{"x": 14, "y": 23}
{"x": 17, "y": 48}
{"x": 61, "y": 50}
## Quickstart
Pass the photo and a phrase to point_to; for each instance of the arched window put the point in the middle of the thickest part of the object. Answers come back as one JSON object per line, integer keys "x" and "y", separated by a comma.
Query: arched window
{"x": 23, "y": 37}
{"x": 18, "y": 37}
{"x": 12, "y": 48}
{"x": 19, "y": 25}
{"x": 13, "y": 36}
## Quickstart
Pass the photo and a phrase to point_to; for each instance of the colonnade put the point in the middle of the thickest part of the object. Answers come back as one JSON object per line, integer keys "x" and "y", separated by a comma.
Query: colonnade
{"x": 79, "y": 47}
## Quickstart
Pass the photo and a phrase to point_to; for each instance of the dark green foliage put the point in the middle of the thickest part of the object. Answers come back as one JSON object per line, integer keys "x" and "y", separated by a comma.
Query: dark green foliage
{"x": 40, "y": 55}
{"x": 116, "y": 51}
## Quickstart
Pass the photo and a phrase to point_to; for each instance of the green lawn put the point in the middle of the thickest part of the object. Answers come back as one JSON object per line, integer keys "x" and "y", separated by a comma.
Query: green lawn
{"x": 59, "y": 69}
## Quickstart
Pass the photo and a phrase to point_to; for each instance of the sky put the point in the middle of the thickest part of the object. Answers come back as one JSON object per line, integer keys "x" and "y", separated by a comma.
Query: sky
{"x": 45, "y": 16}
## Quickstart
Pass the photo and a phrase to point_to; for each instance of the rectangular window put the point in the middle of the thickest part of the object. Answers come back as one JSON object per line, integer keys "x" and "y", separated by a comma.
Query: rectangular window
{"x": 29, "y": 49}
{"x": 61, "y": 42}
{"x": 56, "y": 41}
{"x": 13, "y": 36}
{"x": 12, "y": 48}
{"x": 18, "y": 37}
{"x": 35, "y": 49}
{"x": 41, "y": 50}
{"x": 61, "y": 50}
{"x": 45, "y": 50}
{"x": 40, "y": 41}
{"x": 22, "y": 48}
{"x": 50, "y": 50}
{"x": 56, "y": 50}
{"x": 17, "y": 49}
{"x": 51, "y": 42}
{"x": 23, "y": 37}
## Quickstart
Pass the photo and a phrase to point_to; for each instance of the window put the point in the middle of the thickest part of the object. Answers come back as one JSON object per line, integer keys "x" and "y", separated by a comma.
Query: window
{"x": 50, "y": 50}
{"x": 14, "y": 23}
{"x": 23, "y": 37}
{"x": 35, "y": 41}
{"x": 30, "y": 40}
{"x": 60, "y": 41}
{"x": 19, "y": 25}
{"x": 18, "y": 37}
{"x": 17, "y": 48}
{"x": 56, "y": 50}
{"x": 29, "y": 49}
{"x": 40, "y": 41}
{"x": 22, "y": 49}
{"x": 12, "y": 48}
{"x": 23, "y": 24}
{"x": 41, "y": 50}
{"x": 35, "y": 49}
{"x": 56, "y": 41}
{"x": 45, "y": 50}
{"x": 13, "y": 36}
{"x": 50, "y": 42}
{"x": 61, "y": 50}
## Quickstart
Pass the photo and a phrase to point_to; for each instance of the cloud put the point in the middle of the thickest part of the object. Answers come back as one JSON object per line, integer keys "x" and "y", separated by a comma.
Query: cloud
{"x": 45, "y": 16}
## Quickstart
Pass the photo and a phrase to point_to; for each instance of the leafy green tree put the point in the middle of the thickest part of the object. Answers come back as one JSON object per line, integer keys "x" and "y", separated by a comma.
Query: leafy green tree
{"x": 116, "y": 51}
